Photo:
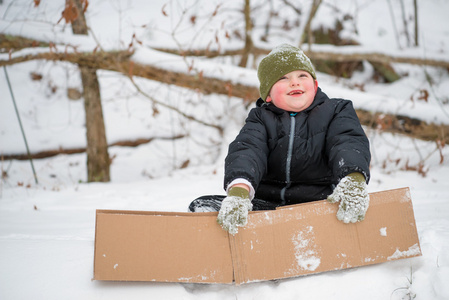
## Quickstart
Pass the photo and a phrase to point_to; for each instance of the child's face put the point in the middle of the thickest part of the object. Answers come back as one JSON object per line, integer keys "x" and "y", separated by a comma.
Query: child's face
{"x": 294, "y": 92}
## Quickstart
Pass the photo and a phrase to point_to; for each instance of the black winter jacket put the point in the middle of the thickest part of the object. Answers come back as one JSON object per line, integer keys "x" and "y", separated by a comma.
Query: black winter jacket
{"x": 293, "y": 158}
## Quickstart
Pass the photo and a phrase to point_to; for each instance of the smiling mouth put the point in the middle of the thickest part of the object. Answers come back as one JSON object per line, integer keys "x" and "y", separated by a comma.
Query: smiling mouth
{"x": 295, "y": 92}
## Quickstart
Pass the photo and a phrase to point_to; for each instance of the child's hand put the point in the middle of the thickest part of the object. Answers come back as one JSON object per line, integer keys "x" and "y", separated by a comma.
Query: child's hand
{"x": 352, "y": 193}
{"x": 234, "y": 210}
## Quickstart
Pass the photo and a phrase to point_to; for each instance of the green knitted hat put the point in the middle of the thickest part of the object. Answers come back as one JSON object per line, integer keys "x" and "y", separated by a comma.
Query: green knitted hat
{"x": 282, "y": 60}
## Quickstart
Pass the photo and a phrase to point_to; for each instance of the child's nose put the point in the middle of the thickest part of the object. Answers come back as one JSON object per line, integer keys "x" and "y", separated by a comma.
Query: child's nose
{"x": 294, "y": 81}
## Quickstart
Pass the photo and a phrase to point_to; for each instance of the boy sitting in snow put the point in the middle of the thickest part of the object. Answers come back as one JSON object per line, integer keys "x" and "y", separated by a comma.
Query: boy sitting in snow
{"x": 296, "y": 146}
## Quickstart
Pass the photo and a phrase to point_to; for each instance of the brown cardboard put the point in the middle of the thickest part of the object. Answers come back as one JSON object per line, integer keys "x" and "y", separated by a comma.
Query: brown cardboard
{"x": 157, "y": 246}
{"x": 291, "y": 241}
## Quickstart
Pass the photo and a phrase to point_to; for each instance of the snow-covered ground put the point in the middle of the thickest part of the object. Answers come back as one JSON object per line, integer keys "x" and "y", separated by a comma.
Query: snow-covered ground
{"x": 47, "y": 229}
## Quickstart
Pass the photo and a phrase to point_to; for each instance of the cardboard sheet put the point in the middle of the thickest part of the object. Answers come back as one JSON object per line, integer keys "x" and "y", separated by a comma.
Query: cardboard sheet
{"x": 152, "y": 246}
{"x": 291, "y": 241}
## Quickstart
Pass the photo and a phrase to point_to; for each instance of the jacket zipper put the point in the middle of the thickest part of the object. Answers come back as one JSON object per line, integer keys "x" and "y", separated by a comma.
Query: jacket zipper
{"x": 289, "y": 156}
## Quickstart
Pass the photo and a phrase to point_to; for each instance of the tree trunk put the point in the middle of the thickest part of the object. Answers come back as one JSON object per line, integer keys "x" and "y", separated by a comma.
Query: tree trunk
{"x": 97, "y": 147}
{"x": 248, "y": 38}
{"x": 405, "y": 23}
{"x": 415, "y": 6}
{"x": 307, "y": 27}
{"x": 79, "y": 25}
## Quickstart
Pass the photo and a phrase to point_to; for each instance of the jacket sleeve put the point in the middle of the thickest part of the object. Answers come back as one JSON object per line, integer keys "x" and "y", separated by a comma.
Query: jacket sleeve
{"x": 247, "y": 154}
{"x": 347, "y": 145}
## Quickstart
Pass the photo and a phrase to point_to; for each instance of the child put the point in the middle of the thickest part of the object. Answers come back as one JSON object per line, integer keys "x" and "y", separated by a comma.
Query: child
{"x": 296, "y": 146}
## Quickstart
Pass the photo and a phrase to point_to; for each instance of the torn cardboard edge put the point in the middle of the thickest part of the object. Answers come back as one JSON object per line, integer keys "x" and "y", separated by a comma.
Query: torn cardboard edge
{"x": 291, "y": 241}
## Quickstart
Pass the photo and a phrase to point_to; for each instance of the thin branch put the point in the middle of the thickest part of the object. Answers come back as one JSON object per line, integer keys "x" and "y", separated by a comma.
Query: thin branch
{"x": 394, "y": 23}
{"x": 177, "y": 110}
{"x": 439, "y": 101}
{"x": 415, "y": 7}
{"x": 288, "y": 3}
{"x": 404, "y": 21}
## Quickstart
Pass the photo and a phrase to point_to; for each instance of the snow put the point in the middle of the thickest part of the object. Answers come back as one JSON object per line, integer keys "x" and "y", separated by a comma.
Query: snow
{"x": 306, "y": 258}
{"x": 47, "y": 229}
{"x": 413, "y": 250}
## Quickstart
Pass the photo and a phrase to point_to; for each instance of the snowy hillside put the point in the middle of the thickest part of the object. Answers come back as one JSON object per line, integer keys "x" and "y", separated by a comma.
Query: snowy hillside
{"x": 47, "y": 228}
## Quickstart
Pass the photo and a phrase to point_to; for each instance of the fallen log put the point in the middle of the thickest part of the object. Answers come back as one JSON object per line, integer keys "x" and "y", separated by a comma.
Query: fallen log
{"x": 50, "y": 153}
{"x": 324, "y": 55}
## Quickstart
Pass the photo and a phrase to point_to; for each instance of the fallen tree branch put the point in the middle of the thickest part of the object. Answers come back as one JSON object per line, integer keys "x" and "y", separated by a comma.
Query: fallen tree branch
{"x": 120, "y": 62}
{"x": 335, "y": 56}
{"x": 376, "y": 58}
{"x": 339, "y": 55}
{"x": 50, "y": 153}
{"x": 404, "y": 125}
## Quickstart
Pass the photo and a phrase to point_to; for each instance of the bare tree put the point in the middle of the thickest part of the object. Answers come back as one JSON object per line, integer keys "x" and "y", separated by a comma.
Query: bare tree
{"x": 248, "y": 38}
{"x": 394, "y": 23}
{"x": 307, "y": 28}
{"x": 97, "y": 147}
{"x": 415, "y": 6}
{"x": 405, "y": 23}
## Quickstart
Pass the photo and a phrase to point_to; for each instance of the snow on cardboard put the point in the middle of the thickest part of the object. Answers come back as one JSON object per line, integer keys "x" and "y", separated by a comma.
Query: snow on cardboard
{"x": 291, "y": 241}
